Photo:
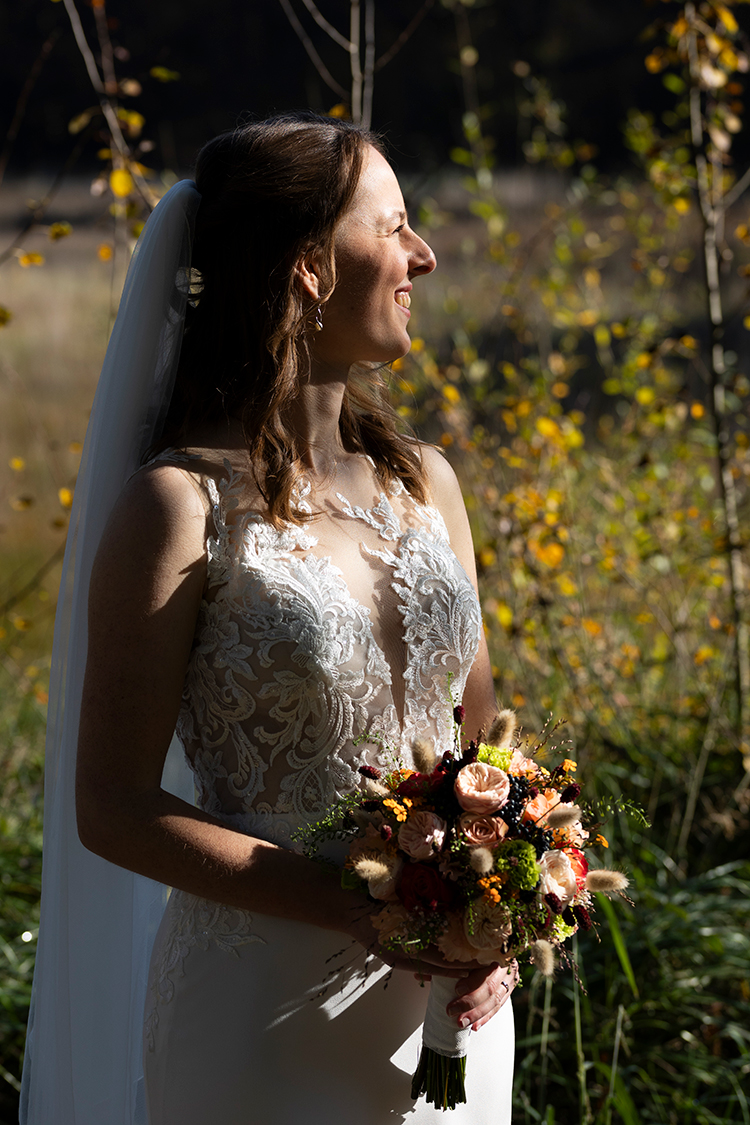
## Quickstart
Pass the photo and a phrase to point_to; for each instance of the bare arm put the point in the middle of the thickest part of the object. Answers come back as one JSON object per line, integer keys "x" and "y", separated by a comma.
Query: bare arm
{"x": 479, "y": 695}
{"x": 146, "y": 589}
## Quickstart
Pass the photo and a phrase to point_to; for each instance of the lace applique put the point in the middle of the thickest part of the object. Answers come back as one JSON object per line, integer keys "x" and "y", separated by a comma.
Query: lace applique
{"x": 194, "y": 922}
{"x": 287, "y": 693}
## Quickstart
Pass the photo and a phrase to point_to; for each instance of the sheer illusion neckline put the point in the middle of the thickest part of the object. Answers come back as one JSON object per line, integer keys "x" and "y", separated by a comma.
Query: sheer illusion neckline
{"x": 384, "y": 627}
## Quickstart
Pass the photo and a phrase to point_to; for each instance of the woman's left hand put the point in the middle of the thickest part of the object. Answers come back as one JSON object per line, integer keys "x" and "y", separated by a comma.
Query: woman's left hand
{"x": 481, "y": 994}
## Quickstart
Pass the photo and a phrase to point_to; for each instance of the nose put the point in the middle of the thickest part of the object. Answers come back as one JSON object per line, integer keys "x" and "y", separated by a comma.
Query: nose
{"x": 421, "y": 258}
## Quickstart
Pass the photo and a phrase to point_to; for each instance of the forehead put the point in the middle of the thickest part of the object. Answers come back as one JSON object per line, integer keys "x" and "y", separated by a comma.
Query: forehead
{"x": 378, "y": 193}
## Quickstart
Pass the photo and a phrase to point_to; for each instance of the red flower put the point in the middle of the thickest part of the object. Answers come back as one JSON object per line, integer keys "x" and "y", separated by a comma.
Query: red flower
{"x": 579, "y": 864}
{"x": 420, "y": 785}
{"x": 421, "y": 887}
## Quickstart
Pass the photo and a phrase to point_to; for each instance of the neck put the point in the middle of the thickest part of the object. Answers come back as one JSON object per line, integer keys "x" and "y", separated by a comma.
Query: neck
{"x": 315, "y": 420}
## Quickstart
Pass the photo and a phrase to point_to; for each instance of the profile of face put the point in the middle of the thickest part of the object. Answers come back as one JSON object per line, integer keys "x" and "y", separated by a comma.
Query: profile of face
{"x": 377, "y": 255}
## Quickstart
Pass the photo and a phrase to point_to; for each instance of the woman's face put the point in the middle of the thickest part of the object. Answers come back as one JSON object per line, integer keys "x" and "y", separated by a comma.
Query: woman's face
{"x": 377, "y": 255}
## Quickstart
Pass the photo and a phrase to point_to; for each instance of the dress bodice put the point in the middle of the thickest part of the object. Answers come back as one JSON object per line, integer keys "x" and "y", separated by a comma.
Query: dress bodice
{"x": 320, "y": 648}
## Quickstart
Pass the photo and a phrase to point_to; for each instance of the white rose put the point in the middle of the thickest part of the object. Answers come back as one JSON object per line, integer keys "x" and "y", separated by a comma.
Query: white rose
{"x": 558, "y": 877}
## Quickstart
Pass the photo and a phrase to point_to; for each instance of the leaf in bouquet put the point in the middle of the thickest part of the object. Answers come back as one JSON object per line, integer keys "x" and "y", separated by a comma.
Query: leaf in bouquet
{"x": 335, "y": 824}
{"x": 618, "y": 940}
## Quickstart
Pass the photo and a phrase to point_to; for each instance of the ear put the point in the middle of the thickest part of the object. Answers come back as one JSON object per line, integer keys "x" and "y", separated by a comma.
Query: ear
{"x": 309, "y": 276}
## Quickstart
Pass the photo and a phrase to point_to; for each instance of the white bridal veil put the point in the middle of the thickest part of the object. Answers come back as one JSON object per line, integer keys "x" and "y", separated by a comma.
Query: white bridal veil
{"x": 83, "y": 1055}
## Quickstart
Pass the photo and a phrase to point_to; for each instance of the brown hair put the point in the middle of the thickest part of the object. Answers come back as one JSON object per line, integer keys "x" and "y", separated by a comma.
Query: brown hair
{"x": 273, "y": 191}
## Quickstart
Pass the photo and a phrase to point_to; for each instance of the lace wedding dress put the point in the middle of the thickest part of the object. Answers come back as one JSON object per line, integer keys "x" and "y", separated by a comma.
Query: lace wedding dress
{"x": 318, "y": 649}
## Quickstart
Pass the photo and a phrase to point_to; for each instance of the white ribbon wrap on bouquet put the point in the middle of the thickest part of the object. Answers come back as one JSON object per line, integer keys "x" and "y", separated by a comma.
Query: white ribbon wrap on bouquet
{"x": 441, "y": 1032}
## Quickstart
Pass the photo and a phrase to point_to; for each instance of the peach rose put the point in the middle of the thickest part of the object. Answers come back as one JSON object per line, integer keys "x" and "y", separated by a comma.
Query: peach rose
{"x": 523, "y": 767}
{"x": 487, "y": 929}
{"x": 422, "y": 835}
{"x": 392, "y": 923}
{"x": 481, "y": 789}
{"x": 452, "y": 942}
{"x": 482, "y": 831}
{"x": 558, "y": 877}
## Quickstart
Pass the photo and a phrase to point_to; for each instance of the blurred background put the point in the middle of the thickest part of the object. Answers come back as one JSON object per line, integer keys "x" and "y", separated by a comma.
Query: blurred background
{"x": 581, "y": 355}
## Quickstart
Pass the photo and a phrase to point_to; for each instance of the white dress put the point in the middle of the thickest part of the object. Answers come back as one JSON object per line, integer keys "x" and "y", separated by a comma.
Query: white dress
{"x": 318, "y": 649}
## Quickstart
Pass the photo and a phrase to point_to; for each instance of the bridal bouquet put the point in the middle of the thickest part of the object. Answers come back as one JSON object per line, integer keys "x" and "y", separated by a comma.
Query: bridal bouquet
{"x": 481, "y": 854}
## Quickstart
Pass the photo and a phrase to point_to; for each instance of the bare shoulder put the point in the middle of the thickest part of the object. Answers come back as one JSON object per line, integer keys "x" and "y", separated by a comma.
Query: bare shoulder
{"x": 156, "y": 533}
{"x": 445, "y": 493}
{"x": 441, "y": 478}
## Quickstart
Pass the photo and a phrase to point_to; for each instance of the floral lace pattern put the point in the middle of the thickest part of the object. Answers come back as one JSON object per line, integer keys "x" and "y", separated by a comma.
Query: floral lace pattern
{"x": 288, "y": 692}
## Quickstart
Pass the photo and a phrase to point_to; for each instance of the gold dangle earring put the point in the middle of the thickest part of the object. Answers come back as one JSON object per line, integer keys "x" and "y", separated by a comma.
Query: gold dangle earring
{"x": 318, "y": 322}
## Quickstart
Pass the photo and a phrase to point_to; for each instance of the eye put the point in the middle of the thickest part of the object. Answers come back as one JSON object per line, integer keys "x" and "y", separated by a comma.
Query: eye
{"x": 399, "y": 229}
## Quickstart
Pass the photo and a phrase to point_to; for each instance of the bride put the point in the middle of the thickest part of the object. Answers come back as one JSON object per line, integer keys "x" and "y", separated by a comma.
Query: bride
{"x": 288, "y": 582}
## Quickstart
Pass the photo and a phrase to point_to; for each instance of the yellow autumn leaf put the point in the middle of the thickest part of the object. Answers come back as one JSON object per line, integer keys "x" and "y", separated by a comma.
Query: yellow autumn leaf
{"x": 105, "y": 252}
{"x": 547, "y": 427}
{"x": 726, "y": 17}
{"x": 121, "y": 182}
{"x": 504, "y": 615}
{"x": 22, "y": 624}
{"x": 487, "y": 556}
{"x": 65, "y": 496}
{"x": 59, "y": 230}
{"x": 338, "y": 110}
{"x": 551, "y": 554}
{"x": 697, "y": 410}
{"x": 17, "y": 464}
{"x": 681, "y": 205}
{"x": 31, "y": 259}
{"x": 417, "y": 344}
{"x": 566, "y": 585}
{"x": 593, "y": 628}
{"x": 645, "y": 395}
{"x": 451, "y": 393}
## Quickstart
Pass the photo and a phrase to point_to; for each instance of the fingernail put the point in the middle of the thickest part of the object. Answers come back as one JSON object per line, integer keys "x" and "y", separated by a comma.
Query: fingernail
{"x": 463, "y": 1023}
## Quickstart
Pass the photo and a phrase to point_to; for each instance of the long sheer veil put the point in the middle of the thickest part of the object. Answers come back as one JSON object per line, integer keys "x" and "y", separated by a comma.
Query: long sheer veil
{"x": 83, "y": 1055}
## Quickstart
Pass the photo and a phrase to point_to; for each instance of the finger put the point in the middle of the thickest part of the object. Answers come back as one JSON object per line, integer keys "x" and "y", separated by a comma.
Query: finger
{"x": 481, "y": 996}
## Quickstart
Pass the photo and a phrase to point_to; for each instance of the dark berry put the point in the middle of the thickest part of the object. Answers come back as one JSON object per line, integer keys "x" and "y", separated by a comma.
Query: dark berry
{"x": 583, "y": 917}
{"x": 369, "y": 771}
{"x": 570, "y": 793}
{"x": 554, "y": 903}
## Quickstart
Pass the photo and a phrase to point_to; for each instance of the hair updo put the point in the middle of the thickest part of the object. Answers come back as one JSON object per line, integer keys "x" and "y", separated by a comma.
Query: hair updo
{"x": 273, "y": 191}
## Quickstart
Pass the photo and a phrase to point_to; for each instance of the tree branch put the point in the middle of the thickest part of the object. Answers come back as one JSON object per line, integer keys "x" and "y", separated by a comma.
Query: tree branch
{"x": 23, "y": 98}
{"x": 315, "y": 58}
{"x": 118, "y": 140}
{"x": 329, "y": 29}
{"x": 404, "y": 36}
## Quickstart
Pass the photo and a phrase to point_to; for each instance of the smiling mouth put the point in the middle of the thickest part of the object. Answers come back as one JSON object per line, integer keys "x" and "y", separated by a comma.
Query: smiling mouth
{"x": 404, "y": 300}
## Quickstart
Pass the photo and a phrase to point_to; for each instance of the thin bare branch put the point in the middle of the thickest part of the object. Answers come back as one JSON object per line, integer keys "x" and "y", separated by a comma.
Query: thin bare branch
{"x": 329, "y": 29}
{"x": 34, "y": 582}
{"x": 118, "y": 140}
{"x": 23, "y": 98}
{"x": 405, "y": 35}
{"x": 354, "y": 35}
{"x": 315, "y": 58}
{"x": 734, "y": 193}
{"x": 37, "y": 214}
{"x": 105, "y": 48}
{"x": 369, "y": 69}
